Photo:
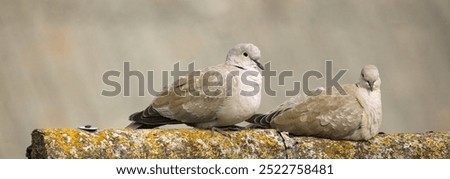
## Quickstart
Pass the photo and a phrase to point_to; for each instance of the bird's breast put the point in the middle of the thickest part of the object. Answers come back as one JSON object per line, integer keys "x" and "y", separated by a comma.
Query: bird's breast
{"x": 244, "y": 100}
{"x": 373, "y": 111}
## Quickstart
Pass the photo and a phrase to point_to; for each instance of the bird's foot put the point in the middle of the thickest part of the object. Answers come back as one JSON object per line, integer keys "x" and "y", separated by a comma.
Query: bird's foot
{"x": 219, "y": 130}
{"x": 222, "y": 130}
{"x": 233, "y": 128}
{"x": 255, "y": 126}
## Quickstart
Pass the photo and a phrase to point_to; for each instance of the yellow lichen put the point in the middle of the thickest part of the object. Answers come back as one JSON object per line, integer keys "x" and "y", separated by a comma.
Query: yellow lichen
{"x": 196, "y": 143}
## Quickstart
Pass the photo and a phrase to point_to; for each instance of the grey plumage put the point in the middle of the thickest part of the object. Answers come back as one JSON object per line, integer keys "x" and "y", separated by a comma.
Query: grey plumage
{"x": 355, "y": 115}
{"x": 186, "y": 101}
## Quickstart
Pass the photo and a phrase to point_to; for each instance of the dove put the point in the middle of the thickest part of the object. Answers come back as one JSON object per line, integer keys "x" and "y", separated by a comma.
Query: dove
{"x": 214, "y": 97}
{"x": 355, "y": 115}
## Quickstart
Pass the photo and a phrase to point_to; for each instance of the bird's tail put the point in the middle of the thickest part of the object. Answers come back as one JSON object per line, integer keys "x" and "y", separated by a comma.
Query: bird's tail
{"x": 135, "y": 125}
{"x": 263, "y": 120}
{"x": 149, "y": 118}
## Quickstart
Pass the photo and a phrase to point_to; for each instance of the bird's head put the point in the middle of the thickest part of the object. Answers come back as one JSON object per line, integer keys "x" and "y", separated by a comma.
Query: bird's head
{"x": 370, "y": 78}
{"x": 244, "y": 55}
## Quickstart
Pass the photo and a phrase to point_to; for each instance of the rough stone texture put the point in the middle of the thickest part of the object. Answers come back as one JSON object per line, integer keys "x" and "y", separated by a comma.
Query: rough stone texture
{"x": 194, "y": 143}
{"x": 425, "y": 145}
{"x": 156, "y": 143}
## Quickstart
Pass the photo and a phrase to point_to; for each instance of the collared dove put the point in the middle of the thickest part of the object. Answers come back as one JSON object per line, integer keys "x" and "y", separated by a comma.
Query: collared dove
{"x": 232, "y": 99}
{"x": 355, "y": 115}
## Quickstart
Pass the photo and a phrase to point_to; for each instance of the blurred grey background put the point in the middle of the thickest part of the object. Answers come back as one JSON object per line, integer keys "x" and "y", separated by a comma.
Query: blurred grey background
{"x": 53, "y": 54}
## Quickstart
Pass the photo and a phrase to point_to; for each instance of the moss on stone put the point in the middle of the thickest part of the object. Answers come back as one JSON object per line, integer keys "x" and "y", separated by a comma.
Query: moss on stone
{"x": 427, "y": 145}
{"x": 155, "y": 143}
{"x": 195, "y": 143}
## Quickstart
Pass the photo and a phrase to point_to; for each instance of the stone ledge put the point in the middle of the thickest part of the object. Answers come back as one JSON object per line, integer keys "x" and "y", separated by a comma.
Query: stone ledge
{"x": 256, "y": 143}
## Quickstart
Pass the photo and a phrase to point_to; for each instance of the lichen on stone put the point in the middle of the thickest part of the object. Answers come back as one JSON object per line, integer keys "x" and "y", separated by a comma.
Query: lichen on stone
{"x": 257, "y": 143}
{"x": 155, "y": 143}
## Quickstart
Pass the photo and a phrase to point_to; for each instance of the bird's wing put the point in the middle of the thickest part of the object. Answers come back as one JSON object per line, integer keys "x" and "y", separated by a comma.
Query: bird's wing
{"x": 330, "y": 116}
{"x": 188, "y": 99}
{"x": 150, "y": 117}
{"x": 264, "y": 120}
{"x": 295, "y": 100}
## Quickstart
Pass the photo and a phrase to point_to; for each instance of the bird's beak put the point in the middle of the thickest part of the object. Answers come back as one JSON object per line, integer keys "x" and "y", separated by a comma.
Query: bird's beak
{"x": 259, "y": 64}
{"x": 371, "y": 85}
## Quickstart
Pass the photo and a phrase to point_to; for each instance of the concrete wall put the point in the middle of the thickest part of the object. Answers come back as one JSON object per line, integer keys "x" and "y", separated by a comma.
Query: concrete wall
{"x": 53, "y": 54}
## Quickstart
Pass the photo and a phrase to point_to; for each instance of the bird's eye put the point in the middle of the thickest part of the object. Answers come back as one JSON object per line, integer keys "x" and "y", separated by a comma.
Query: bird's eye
{"x": 245, "y": 54}
{"x": 362, "y": 74}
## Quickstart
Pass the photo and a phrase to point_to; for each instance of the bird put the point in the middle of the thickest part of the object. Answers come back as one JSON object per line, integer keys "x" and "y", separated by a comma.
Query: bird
{"x": 215, "y": 97}
{"x": 354, "y": 115}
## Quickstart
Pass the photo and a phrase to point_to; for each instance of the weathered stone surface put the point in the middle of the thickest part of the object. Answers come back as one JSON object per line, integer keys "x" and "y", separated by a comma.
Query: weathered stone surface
{"x": 426, "y": 145}
{"x": 194, "y": 143}
{"x": 156, "y": 143}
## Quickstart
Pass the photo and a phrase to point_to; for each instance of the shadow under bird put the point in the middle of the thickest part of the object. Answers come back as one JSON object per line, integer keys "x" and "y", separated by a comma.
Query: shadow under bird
{"x": 185, "y": 101}
{"x": 355, "y": 115}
